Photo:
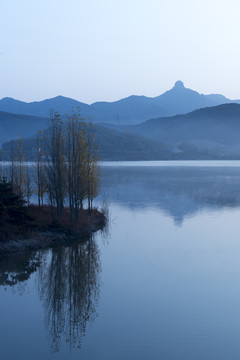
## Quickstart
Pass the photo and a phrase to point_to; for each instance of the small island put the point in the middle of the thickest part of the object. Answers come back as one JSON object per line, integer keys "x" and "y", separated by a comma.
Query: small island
{"x": 63, "y": 180}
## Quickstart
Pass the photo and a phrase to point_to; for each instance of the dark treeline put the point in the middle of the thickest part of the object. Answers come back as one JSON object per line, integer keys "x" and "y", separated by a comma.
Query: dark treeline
{"x": 65, "y": 169}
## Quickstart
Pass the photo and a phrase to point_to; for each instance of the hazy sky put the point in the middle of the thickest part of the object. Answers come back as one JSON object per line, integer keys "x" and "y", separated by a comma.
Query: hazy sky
{"x": 94, "y": 50}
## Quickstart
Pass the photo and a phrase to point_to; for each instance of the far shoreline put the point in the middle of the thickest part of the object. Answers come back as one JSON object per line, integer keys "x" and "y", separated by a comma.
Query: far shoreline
{"x": 157, "y": 163}
{"x": 165, "y": 163}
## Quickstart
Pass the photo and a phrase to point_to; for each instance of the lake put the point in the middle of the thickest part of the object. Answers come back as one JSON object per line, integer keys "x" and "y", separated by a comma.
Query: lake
{"x": 161, "y": 282}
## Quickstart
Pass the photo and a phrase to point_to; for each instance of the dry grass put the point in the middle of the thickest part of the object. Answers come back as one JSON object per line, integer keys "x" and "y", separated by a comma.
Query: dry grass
{"x": 43, "y": 218}
{"x": 40, "y": 219}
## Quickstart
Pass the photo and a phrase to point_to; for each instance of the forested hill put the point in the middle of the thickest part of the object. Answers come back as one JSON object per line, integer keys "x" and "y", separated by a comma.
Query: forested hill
{"x": 209, "y": 133}
{"x": 113, "y": 145}
{"x": 133, "y": 109}
{"x": 116, "y": 145}
{"x": 209, "y": 128}
{"x": 12, "y": 126}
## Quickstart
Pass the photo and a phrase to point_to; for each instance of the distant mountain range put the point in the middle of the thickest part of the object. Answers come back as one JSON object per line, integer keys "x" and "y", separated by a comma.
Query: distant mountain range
{"x": 209, "y": 133}
{"x": 211, "y": 129}
{"x": 131, "y": 110}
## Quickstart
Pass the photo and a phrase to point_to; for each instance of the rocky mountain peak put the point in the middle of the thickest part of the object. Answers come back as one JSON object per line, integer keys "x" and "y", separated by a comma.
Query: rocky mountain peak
{"x": 179, "y": 84}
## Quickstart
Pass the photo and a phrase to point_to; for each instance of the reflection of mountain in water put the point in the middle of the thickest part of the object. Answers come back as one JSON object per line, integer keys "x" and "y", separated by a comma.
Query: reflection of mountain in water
{"x": 68, "y": 283}
{"x": 178, "y": 191}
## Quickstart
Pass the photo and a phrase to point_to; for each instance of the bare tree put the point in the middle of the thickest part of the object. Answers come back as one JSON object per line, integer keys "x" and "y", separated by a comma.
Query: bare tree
{"x": 40, "y": 178}
{"x": 71, "y": 168}
{"x": 76, "y": 149}
{"x": 93, "y": 168}
{"x": 3, "y": 173}
{"x": 28, "y": 191}
{"x": 55, "y": 168}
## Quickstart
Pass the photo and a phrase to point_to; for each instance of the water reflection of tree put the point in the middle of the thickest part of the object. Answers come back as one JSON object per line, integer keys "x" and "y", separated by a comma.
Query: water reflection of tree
{"x": 69, "y": 288}
{"x": 17, "y": 269}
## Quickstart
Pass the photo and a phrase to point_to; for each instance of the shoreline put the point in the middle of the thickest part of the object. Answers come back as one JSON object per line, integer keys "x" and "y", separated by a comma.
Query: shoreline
{"x": 48, "y": 235}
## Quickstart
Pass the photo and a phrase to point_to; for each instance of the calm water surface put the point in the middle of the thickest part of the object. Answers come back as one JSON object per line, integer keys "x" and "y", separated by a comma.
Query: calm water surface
{"x": 161, "y": 283}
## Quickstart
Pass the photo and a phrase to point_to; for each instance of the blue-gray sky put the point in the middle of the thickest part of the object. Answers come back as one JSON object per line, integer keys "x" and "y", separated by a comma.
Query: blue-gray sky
{"x": 94, "y": 50}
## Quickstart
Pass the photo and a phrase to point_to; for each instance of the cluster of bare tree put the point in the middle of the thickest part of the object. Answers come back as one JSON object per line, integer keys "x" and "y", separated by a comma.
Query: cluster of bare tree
{"x": 71, "y": 163}
{"x": 17, "y": 170}
{"x": 66, "y": 170}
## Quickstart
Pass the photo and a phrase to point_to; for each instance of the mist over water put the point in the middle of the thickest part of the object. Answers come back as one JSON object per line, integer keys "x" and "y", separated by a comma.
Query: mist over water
{"x": 178, "y": 190}
{"x": 162, "y": 285}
